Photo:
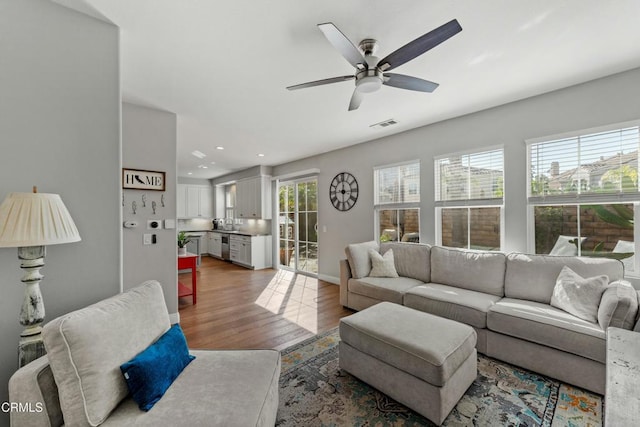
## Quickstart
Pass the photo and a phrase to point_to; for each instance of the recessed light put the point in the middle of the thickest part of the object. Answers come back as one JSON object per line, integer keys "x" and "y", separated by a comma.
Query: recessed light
{"x": 219, "y": 147}
{"x": 203, "y": 166}
{"x": 199, "y": 154}
{"x": 189, "y": 173}
{"x": 260, "y": 155}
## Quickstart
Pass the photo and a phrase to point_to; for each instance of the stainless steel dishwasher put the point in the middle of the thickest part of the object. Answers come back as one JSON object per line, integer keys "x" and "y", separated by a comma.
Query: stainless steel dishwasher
{"x": 225, "y": 246}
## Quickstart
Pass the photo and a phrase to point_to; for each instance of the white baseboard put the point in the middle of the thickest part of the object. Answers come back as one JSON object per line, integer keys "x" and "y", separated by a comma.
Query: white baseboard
{"x": 330, "y": 279}
{"x": 174, "y": 318}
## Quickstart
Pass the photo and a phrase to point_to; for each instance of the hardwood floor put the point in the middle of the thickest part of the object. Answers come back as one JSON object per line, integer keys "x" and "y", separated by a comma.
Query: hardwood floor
{"x": 242, "y": 308}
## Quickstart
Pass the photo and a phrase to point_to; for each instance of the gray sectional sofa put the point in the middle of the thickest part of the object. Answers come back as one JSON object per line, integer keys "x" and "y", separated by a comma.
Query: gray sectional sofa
{"x": 505, "y": 298}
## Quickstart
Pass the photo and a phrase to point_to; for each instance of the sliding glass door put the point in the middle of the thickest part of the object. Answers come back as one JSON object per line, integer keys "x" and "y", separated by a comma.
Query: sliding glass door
{"x": 298, "y": 225}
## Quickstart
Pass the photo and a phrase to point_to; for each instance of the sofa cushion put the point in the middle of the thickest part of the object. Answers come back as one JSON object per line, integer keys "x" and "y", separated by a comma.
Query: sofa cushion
{"x": 474, "y": 270}
{"x": 564, "y": 247}
{"x": 382, "y": 265}
{"x": 411, "y": 259}
{"x": 358, "y": 257}
{"x": 150, "y": 373}
{"x": 618, "y": 306}
{"x": 546, "y": 325}
{"x": 383, "y": 288}
{"x": 453, "y": 303}
{"x": 86, "y": 348}
{"x": 578, "y": 295}
{"x": 533, "y": 277}
{"x": 219, "y": 388}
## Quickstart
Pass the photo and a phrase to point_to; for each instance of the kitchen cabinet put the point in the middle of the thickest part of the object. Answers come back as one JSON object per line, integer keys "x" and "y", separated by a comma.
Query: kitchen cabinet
{"x": 181, "y": 200}
{"x": 253, "y": 198}
{"x": 250, "y": 251}
{"x": 204, "y": 244}
{"x": 194, "y": 201}
{"x": 215, "y": 244}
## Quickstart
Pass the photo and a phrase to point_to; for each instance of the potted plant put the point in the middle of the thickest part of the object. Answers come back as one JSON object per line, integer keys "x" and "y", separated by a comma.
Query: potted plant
{"x": 183, "y": 239}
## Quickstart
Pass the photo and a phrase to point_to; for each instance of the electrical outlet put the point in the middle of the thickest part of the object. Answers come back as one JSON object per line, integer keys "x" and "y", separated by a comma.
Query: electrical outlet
{"x": 146, "y": 239}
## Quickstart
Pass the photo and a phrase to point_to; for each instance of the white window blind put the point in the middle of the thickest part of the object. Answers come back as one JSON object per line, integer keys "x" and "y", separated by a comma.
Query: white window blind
{"x": 593, "y": 167}
{"x": 397, "y": 184}
{"x": 470, "y": 179}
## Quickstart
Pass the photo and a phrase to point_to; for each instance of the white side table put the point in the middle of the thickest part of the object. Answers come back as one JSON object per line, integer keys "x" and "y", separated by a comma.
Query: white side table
{"x": 622, "y": 399}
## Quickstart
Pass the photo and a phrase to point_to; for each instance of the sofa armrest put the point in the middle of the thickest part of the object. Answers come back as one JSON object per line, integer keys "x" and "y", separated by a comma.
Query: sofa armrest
{"x": 33, "y": 385}
{"x": 345, "y": 275}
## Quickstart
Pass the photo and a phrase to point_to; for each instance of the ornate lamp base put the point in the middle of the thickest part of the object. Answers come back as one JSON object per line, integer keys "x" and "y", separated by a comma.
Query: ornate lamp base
{"x": 31, "y": 345}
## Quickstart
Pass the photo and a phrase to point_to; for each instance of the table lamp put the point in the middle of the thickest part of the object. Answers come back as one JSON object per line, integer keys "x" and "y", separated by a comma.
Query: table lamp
{"x": 31, "y": 221}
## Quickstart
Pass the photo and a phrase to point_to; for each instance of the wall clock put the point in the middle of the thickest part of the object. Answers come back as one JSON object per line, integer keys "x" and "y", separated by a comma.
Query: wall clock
{"x": 343, "y": 191}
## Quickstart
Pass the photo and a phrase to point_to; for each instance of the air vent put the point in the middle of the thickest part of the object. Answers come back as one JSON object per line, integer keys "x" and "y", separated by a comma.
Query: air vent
{"x": 384, "y": 124}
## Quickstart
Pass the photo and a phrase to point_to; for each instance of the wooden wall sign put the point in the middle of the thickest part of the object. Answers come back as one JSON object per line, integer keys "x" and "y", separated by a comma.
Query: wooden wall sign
{"x": 143, "y": 179}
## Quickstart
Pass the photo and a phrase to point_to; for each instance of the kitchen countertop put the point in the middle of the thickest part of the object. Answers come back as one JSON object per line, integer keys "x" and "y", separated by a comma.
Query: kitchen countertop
{"x": 240, "y": 233}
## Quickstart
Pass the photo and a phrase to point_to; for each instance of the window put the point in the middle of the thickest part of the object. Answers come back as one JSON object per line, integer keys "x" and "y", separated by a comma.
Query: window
{"x": 583, "y": 194}
{"x": 397, "y": 202}
{"x": 469, "y": 199}
{"x": 230, "y": 201}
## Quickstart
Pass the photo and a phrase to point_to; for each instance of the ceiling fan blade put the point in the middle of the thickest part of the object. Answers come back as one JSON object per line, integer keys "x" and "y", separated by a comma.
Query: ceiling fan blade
{"x": 407, "y": 82}
{"x": 321, "y": 82}
{"x": 419, "y": 46}
{"x": 356, "y": 99}
{"x": 342, "y": 43}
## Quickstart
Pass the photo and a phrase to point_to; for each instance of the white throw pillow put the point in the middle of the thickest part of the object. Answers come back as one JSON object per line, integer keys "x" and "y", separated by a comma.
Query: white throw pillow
{"x": 577, "y": 295}
{"x": 382, "y": 265}
{"x": 359, "y": 259}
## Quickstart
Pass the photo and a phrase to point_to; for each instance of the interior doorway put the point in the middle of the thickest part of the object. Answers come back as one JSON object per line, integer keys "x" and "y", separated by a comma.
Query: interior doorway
{"x": 298, "y": 225}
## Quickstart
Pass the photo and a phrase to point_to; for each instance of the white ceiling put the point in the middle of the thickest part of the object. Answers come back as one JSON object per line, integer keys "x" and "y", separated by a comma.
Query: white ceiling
{"x": 222, "y": 66}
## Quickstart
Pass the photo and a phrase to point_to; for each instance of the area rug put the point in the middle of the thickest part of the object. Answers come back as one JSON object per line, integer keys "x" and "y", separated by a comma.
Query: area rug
{"x": 315, "y": 392}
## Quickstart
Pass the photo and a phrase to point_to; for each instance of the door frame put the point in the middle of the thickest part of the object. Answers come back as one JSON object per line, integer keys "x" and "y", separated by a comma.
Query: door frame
{"x": 296, "y": 240}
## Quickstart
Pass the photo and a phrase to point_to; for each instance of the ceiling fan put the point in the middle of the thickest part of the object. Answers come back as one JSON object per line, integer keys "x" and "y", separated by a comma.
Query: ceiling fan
{"x": 371, "y": 73}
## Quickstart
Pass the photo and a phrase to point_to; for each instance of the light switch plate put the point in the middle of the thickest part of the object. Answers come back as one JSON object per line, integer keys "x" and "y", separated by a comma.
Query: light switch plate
{"x": 146, "y": 239}
{"x": 169, "y": 224}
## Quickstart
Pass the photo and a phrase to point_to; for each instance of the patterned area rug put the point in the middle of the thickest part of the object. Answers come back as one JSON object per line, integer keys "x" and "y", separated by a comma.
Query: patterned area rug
{"x": 315, "y": 392}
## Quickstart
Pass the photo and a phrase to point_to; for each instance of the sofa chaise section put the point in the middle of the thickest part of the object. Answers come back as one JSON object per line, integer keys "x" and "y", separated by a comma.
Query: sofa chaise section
{"x": 80, "y": 381}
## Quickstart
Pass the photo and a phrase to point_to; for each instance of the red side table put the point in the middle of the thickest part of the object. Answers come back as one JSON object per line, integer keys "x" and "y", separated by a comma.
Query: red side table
{"x": 188, "y": 261}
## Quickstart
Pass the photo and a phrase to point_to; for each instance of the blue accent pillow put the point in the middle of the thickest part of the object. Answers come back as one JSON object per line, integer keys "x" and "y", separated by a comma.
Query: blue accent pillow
{"x": 151, "y": 373}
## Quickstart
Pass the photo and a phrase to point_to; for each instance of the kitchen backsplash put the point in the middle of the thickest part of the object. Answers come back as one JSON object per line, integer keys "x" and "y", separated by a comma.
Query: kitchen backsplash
{"x": 254, "y": 226}
{"x": 195, "y": 224}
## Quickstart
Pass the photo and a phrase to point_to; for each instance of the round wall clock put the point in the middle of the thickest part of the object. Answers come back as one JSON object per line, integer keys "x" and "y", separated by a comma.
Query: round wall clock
{"x": 343, "y": 191}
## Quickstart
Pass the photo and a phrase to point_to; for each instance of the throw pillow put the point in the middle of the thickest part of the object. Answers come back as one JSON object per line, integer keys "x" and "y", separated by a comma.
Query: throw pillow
{"x": 618, "y": 306}
{"x": 152, "y": 372}
{"x": 382, "y": 265}
{"x": 577, "y": 295}
{"x": 358, "y": 257}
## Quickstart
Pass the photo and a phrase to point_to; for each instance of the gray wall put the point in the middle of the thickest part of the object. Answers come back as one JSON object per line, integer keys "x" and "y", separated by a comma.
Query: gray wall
{"x": 149, "y": 143}
{"x": 600, "y": 102}
{"x": 60, "y": 130}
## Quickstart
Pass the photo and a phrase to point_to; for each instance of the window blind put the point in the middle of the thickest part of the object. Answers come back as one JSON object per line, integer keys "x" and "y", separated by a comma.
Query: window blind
{"x": 397, "y": 184}
{"x": 593, "y": 167}
{"x": 470, "y": 179}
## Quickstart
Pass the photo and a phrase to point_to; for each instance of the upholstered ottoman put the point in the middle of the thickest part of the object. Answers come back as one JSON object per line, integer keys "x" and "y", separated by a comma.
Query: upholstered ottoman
{"x": 423, "y": 361}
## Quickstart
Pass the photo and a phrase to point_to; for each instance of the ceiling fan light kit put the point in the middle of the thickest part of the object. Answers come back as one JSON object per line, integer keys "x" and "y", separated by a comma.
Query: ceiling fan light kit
{"x": 370, "y": 72}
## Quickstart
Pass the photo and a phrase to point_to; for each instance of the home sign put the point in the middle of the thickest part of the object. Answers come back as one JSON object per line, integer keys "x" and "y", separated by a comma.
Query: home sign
{"x": 142, "y": 179}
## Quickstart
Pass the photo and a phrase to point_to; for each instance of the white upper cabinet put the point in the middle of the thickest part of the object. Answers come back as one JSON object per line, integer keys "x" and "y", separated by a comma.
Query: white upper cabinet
{"x": 253, "y": 198}
{"x": 194, "y": 201}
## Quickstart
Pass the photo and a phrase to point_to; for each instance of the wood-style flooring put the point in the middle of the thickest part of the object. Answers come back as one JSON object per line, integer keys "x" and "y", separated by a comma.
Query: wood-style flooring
{"x": 241, "y": 308}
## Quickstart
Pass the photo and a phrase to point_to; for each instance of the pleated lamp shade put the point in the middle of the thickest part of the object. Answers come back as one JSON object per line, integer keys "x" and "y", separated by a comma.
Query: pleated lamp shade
{"x": 35, "y": 219}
